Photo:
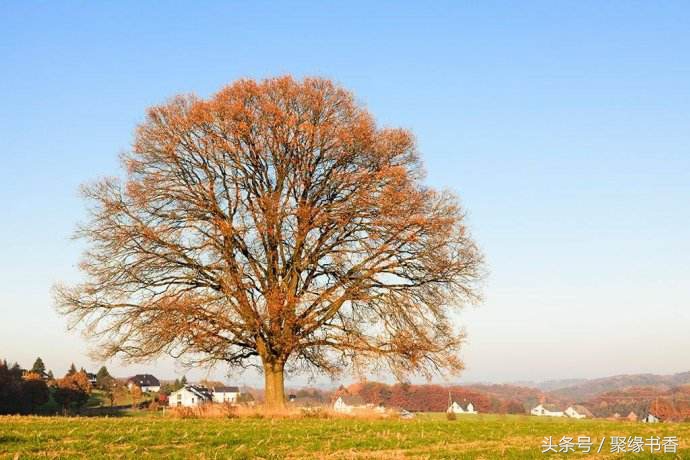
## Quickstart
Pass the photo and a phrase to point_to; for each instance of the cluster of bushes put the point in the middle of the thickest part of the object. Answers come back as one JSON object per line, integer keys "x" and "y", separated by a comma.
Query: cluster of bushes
{"x": 21, "y": 392}
{"x": 72, "y": 392}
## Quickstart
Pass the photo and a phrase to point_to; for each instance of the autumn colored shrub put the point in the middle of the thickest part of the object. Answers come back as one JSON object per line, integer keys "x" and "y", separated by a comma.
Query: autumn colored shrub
{"x": 72, "y": 392}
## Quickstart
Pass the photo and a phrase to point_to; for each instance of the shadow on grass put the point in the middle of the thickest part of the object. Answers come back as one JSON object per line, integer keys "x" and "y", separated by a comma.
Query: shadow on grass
{"x": 110, "y": 411}
{"x": 4, "y": 439}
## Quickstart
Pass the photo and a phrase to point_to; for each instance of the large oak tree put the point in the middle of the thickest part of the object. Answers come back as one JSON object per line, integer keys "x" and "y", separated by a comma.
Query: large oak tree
{"x": 274, "y": 224}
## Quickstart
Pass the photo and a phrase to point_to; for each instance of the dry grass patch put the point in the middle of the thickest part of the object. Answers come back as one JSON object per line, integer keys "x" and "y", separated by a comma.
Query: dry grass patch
{"x": 229, "y": 411}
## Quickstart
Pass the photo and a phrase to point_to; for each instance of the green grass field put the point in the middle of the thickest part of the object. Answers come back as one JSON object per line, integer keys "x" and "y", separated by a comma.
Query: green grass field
{"x": 146, "y": 435}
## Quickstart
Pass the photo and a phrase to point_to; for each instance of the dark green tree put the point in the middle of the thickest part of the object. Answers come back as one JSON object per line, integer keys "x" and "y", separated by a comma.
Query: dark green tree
{"x": 16, "y": 370}
{"x": 103, "y": 378}
{"x": 103, "y": 372}
{"x": 39, "y": 367}
{"x": 35, "y": 393}
{"x": 72, "y": 370}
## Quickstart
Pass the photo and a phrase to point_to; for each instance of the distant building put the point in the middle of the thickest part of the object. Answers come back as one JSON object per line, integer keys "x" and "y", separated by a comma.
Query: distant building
{"x": 190, "y": 396}
{"x": 225, "y": 394}
{"x": 456, "y": 408}
{"x": 578, "y": 412}
{"x": 632, "y": 416}
{"x": 651, "y": 418}
{"x": 547, "y": 410}
{"x": 406, "y": 414}
{"x": 346, "y": 404}
{"x": 92, "y": 378}
{"x": 43, "y": 375}
{"x": 147, "y": 383}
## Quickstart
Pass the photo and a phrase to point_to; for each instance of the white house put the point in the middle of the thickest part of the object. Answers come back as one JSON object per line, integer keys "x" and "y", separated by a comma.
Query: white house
{"x": 456, "y": 408}
{"x": 547, "y": 410}
{"x": 406, "y": 414}
{"x": 189, "y": 396}
{"x": 651, "y": 418}
{"x": 147, "y": 383}
{"x": 225, "y": 394}
{"x": 346, "y": 404}
{"x": 578, "y": 412}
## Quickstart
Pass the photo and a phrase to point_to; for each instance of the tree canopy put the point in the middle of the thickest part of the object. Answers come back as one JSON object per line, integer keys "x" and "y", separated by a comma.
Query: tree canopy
{"x": 72, "y": 370}
{"x": 275, "y": 224}
{"x": 39, "y": 367}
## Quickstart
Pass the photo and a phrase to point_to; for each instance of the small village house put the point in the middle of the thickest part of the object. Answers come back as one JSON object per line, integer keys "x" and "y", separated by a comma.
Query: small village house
{"x": 578, "y": 412}
{"x": 632, "y": 416}
{"x": 147, "y": 382}
{"x": 190, "y": 396}
{"x": 455, "y": 408}
{"x": 42, "y": 374}
{"x": 224, "y": 394}
{"x": 547, "y": 410}
{"x": 406, "y": 414}
{"x": 651, "y": 418}
{"x": 92, "y": 378}
{"x": 346, "y": 404}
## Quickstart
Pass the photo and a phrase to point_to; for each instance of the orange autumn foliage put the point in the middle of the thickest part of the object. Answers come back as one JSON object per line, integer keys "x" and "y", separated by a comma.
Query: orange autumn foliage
{"x": 275, "y": 224}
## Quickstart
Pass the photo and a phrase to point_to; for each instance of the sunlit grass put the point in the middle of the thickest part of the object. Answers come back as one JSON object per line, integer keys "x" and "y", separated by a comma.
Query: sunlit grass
{"x": 146, "y": 435}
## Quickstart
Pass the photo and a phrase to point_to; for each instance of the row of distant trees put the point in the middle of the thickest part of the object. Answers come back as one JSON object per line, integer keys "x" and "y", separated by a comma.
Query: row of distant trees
{"x": 430, "y": 398}
{"x": 167, "y": 388}
{"x": 38, "y": 391}
{"x": 667, "y": 403}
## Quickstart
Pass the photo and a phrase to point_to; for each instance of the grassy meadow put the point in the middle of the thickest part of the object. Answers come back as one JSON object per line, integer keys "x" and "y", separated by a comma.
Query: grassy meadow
{"x": 428, "y": 436}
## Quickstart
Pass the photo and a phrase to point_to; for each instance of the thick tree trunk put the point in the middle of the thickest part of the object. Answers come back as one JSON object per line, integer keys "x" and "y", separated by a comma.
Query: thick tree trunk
{"x": 274, "y": 384}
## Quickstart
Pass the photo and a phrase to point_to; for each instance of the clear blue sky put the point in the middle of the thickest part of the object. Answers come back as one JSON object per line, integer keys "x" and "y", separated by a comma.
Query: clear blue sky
{"x": 564, "y": 126}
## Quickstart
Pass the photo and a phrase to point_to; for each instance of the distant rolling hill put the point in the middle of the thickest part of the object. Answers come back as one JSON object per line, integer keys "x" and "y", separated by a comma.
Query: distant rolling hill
{"x": 550, "y": 385}
{"x": 583, "y": 390}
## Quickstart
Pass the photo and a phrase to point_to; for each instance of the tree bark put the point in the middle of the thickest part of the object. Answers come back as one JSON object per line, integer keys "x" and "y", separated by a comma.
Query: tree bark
{"x": 274, "y": 384}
